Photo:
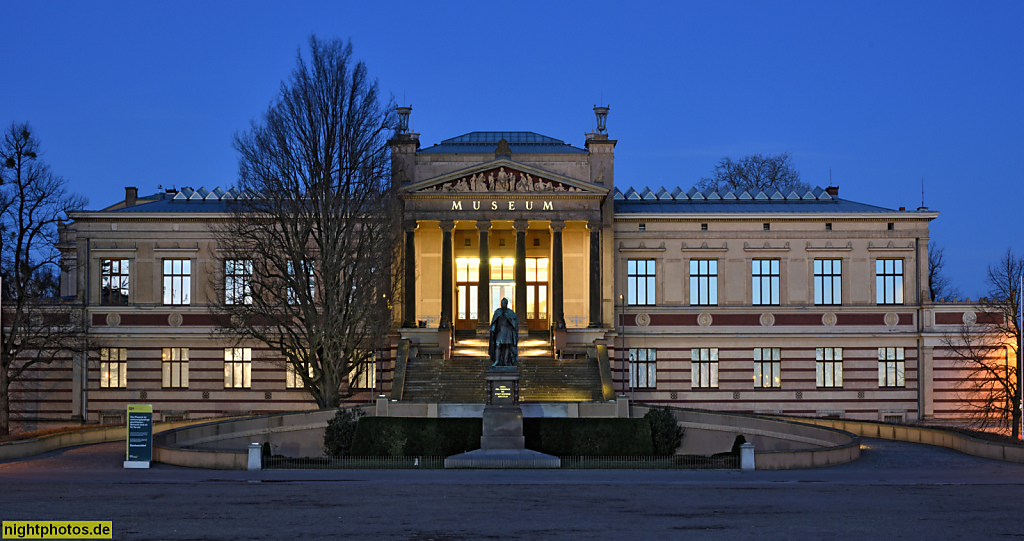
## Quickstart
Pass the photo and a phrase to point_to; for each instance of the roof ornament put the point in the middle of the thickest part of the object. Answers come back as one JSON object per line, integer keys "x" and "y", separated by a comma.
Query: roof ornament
{"x": 403, "y": 118}
{"x": 602, "y": 119}
{"x": 503, "y": 151}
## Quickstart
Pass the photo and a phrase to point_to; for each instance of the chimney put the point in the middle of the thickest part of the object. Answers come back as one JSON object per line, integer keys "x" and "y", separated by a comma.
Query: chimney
{"x": 131, "y": 193}
{"x": 833, "y": 191}
{"x": 404, "y": 145}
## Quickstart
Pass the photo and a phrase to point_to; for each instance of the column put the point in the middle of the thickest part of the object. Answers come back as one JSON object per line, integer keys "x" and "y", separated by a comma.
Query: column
{"x": 521, "y": 226}
{"x": 447, "y": 286}
{"x": 410, "y": 274}
{"x": 558, "y": 316}
{"x": 483, "y": 324}
{"x": 595, "y": 273}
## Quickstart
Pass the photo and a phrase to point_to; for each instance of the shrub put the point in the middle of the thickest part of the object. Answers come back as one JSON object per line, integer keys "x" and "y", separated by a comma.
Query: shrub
{"x": 666, "y": 434}
{"x": 740, "y": 440}
{"x": 340, "y": 431}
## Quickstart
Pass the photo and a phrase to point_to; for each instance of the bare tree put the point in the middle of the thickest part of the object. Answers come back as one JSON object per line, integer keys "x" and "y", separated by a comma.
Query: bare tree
{"x": 309, "y": 253}
{"x": 757, "y": 172}
{"x": 37, "y": 326}
{"x": 989, "y": 350}
{"x": 939, "y": 285}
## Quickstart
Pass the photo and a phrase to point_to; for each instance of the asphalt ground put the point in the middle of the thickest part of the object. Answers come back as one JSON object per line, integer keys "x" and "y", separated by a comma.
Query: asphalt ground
{"x": 894, "y": 491}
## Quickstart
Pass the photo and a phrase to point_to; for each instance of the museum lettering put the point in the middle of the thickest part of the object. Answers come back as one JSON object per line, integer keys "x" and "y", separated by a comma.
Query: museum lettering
{"x": 502, "y": 205}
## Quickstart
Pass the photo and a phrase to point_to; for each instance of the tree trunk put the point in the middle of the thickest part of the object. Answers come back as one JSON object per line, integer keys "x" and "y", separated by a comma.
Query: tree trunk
{"x": 5, "y": 402}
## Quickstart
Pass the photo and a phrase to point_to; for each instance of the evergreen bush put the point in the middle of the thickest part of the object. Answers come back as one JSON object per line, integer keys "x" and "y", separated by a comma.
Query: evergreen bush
{"x": 666, "y": 434}
{"x": 340, "y": 431}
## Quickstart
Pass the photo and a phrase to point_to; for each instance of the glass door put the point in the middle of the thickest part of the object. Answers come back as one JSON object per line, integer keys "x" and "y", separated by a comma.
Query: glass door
{"x": 537, "y": 293}
{"x": 467, "y": 285}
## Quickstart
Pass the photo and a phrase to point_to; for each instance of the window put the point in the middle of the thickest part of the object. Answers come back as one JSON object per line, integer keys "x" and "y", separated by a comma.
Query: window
{"x": 703, "y": 227}
{"x": 642, "y": 227}
{"x": 828, "y": 226}
{"x": 114, "y": 281}
{"x": 766, "y": 226}
{"x": 292, "y": 379}
{"x": 640, "y": 282}
{"x": 310, "y": 280}
{"x": 364, "y": 372}
{"x": 828, "y": 367}
{"x": 174, "y": 367}
{"x": 891, "y": 226}
{"x": 237, "y": 368}
{"x": 828, "y": 281}
{"x": 891, "y": 366}
{"x": 503, "y": 268}
{"x": 114, "y": 368}
{"x": 704, "y": 282}
{"x": 238, "y": 281}
{"x": 177, "y": 281}
{"x": 467, "y": 279}
{"x": 767, "y": 367}
{"x": 889, "y": 281}
{"x": 643, "y": 368}
{"x": 765, "y": 273}
{"x": 704, "y": 368}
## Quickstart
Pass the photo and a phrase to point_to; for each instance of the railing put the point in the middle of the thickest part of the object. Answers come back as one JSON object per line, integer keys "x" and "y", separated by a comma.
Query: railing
{"x": 677, "y": 462}
{"x": 354, "y": 463}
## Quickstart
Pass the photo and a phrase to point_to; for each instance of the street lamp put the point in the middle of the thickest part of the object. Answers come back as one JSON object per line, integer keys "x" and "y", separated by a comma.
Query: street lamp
{"x": 622, "y": 341}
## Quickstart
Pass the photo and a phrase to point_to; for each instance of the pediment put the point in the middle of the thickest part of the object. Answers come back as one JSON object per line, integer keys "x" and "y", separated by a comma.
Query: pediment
{"x": 504, "y": 176}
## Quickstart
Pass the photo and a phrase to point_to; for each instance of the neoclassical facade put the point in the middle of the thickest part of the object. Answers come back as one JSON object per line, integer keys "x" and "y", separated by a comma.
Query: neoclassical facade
{"x": 800, "y": 303}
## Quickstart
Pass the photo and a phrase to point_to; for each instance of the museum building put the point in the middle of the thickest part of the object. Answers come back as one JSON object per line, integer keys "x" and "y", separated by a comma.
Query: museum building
{"x": 799, "y": 303}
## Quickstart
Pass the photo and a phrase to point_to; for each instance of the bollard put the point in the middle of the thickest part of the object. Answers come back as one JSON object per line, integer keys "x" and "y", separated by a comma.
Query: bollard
{"x": 255, "y": 456}
{"x": 747, "y": 457}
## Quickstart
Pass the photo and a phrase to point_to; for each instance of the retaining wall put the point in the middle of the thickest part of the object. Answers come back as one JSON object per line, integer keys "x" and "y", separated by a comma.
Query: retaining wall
{"x": 931, "y": 436}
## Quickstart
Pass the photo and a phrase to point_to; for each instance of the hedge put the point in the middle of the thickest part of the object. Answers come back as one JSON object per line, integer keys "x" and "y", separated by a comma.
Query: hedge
{"x": 410, "y": 436}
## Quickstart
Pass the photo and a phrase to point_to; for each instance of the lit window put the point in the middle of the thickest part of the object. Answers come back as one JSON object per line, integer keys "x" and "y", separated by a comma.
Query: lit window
{"x": 704, "y": 368}
{"x": 767, "y": 367}
{"x": 114, "y": 367}
{"x": 292, "y": 377}
{"x": 640, "y": 274}
{"x": 828, "y": 367}
{"x": 643, "y": 368}
{"x": 503, "y": 268}
{"x": 114, "y": 281}
{"x": 891, "y": 367}
{"x": 363, "y": 372}
{"x": 704, "y": 282}
{"x": 237, "y": 368}
{"x": 238, "y": 281}
{"x": 765, "y": 283}
{"x": 177, "y": 281}
{"x": 174, "y": 368}
{"x": 889, "y": 281}
{"x": 308, "y": 283}
{"x": 828, "y": 281}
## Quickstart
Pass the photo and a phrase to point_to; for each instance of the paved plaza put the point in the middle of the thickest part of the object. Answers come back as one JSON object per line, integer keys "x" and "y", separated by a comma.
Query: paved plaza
{"x": 896, "y": 490}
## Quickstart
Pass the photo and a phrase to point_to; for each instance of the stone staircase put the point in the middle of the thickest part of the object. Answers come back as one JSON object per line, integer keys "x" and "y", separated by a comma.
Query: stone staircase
{"x": 429, "y": 378}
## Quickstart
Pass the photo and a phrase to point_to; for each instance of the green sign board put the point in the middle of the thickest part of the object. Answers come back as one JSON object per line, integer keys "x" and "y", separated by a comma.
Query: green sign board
{"x": 140, "y": 433}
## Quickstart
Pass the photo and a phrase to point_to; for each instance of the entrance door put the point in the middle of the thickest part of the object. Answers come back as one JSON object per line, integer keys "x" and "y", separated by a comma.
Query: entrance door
{"x": 537, "y": 293}
{"x": 503, "y": 290}
{"x": 467, "y": 285}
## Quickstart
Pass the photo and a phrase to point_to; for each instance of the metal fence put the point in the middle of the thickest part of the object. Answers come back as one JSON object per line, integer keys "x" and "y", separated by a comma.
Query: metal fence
{"x": 677, "y": 462}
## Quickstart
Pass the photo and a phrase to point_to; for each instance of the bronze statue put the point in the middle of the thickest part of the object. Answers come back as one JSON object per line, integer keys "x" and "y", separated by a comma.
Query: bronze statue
{"x": 503, "y": 346}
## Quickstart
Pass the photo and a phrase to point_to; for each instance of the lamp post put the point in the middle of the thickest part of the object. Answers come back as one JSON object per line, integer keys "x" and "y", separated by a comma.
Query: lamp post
{"x": 622, "y": 341}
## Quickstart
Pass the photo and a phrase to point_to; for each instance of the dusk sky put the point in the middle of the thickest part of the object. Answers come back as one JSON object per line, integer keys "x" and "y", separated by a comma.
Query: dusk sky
{"x": 882, "y": 94}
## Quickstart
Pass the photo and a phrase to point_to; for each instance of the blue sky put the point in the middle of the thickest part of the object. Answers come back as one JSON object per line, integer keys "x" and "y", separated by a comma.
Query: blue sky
{"x": 882, "y": 93}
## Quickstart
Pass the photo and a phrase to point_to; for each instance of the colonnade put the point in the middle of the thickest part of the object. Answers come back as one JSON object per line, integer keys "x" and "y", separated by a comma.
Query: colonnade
{"x": 484, "y": 306}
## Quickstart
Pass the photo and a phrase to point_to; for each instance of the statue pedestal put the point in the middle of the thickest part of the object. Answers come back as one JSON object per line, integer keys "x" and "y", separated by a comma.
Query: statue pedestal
{"x": 503, "y": 420}
{"x": 502, "y": 444}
